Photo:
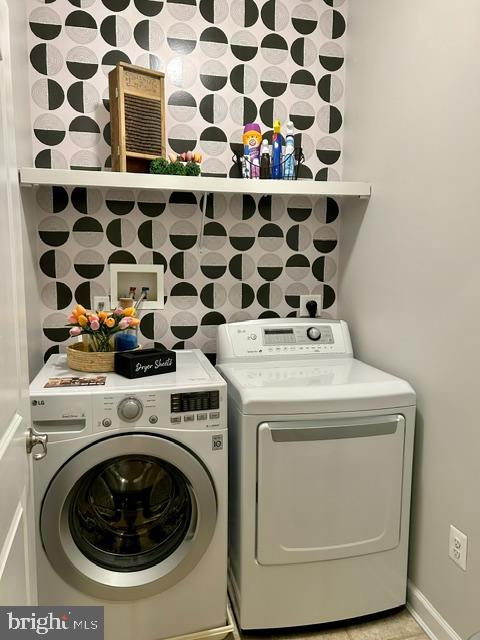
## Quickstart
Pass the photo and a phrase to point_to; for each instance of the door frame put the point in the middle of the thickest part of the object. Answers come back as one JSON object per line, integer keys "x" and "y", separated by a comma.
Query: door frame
{"x": 17, "y": 526}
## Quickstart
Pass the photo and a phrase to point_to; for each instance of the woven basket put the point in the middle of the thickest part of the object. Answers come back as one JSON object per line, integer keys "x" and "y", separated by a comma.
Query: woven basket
{"x": 80, "y": 359}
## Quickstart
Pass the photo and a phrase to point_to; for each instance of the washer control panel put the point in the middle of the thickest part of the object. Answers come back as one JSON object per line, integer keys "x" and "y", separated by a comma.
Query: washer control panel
{"x": 203, "y": 409}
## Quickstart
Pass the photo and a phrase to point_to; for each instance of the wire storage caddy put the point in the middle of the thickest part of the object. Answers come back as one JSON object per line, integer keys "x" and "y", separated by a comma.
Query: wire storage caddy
{"x": 246, "y": 168}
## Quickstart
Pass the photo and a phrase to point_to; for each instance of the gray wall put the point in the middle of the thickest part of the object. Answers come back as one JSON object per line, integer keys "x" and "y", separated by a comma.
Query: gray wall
{"x": 409, "y": 264}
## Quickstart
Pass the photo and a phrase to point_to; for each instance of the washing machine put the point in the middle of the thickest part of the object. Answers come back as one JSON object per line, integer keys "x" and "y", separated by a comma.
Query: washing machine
{"x": 131, "y": 497}
{"x": 320, "y": 473}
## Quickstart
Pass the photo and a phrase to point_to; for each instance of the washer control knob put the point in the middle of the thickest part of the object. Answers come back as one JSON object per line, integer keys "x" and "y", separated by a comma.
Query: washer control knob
{"x": 130, "y": 409}
{"x": 313, "y": 333}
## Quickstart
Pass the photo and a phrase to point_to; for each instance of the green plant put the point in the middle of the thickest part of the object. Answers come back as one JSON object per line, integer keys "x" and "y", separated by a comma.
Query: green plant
{"x": 192, "y": 169}
{"x": 159, "y": 165}
{"x": 175, "y": 169}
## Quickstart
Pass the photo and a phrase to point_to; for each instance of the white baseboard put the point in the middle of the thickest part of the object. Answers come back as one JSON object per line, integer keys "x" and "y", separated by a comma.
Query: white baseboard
{"x": 434, "y": 625}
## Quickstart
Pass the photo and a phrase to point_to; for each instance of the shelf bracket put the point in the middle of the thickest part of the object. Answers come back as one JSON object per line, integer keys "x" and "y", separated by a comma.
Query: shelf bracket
{"x": 30, "y": 185}
{"x": 202, "y": 223}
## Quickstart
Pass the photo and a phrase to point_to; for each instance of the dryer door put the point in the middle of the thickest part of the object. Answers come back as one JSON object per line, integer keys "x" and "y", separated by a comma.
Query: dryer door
{"x": 128, "y": 516}
{"x": 329, "y": 489}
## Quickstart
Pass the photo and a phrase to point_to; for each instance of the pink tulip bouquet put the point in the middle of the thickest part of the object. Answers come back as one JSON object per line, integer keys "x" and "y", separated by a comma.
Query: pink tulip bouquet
{"x": 101, "y": 326}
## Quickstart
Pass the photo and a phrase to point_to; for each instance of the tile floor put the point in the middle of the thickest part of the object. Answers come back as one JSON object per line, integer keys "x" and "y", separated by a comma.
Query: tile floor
{"x": 397, "y": 625}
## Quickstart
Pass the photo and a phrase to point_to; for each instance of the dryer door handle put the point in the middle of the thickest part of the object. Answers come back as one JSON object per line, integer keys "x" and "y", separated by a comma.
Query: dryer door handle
{"x": 308, "y": 430}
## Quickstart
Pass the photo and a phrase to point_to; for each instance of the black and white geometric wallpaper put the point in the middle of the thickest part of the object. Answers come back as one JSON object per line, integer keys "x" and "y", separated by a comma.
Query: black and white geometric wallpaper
{"x": 227, "y": 62}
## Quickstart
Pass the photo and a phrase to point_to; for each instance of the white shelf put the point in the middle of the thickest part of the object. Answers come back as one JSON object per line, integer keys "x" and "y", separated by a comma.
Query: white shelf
{"x": 113, "y": 180}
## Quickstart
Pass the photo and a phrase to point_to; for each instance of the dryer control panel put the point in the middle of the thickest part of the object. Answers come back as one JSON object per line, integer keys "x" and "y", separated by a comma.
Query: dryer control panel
{"x": 283, "y": 337}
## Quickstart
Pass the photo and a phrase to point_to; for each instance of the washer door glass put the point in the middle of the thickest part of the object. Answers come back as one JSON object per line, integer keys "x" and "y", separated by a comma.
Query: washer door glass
{"x": 131, "y": 512}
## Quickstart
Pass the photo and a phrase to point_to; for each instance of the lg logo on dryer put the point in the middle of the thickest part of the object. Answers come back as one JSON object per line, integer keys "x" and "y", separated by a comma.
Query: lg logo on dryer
{"x": 38, "y": 403}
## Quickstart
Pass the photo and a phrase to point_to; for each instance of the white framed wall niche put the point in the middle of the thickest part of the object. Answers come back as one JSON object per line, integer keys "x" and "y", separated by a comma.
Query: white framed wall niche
{"x": 125, "y": 276}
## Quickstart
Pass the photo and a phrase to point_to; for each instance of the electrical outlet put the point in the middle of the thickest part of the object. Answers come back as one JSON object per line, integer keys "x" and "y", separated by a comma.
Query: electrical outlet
{"x": 457, "y": 547}
{"x": 101, "y": 303}
{"x": 303, "y": 312}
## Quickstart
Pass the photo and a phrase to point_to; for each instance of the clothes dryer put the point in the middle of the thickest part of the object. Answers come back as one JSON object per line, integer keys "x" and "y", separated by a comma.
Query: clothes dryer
{"x": 320, "y": 473}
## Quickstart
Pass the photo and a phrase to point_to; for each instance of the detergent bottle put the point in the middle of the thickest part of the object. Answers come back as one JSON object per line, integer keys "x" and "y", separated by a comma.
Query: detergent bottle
{"x": 277, "y": 172}
{"x": 252, "y": 139}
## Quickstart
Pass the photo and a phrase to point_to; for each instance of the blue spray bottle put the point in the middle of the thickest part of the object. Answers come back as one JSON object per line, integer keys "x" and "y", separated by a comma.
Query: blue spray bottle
{"x": 289, "y": 165}
{"x": 277, "y": 172}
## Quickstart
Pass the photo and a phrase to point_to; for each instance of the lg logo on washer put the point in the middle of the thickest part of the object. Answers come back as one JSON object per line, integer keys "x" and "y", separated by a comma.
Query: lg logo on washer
{"x": 25, "y": 623}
